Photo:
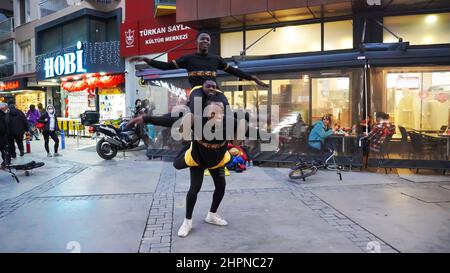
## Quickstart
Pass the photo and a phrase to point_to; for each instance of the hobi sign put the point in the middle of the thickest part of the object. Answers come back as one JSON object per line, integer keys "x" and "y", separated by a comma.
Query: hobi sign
{"x": 61, "y": 65}
{"x": 85, "y": 57}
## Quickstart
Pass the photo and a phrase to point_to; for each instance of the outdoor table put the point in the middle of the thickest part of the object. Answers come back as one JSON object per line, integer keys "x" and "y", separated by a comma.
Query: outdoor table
{"x": 423, "y": 131}
{"x": 343, "y": 137}
{"x": 441, "y": 136}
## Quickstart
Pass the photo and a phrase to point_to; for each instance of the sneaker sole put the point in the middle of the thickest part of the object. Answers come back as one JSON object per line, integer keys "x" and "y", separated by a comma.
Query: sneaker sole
{"x": 182, "y": 236}
{"x": 216, "y": 224}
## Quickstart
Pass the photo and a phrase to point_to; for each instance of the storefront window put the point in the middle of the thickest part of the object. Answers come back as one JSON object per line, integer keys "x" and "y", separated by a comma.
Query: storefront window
{"x": 338, "y": 35}
{"x": 423, "y": 29}
{"x": 419, "y": 101}
{"x": 292, "y": 97}
{"x": 332, "y": 96}
{"x": 301, "y": 100}
{"x": 25, "y": 99}
{"x": 112, "y": 103}
{"x": 77, "y": 103}
{"x": 291, "y": 39}
{"x": 161, "y": 96}
{"x": 231, "y": 44}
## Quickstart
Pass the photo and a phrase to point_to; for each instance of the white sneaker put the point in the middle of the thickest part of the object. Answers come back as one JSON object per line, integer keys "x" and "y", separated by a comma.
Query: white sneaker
{"x": 185, "y": 228}
{"x": 49, "y": 155}
{"x": 57, "y": 154}
{"x": 215, "y": 219}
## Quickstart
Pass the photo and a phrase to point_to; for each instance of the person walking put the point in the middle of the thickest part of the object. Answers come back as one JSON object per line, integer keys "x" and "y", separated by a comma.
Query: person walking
{"x": 41, "y": 112}
{"x": 50, "y": 129}
{"x": 18, "y": 125}
{"x": 33, "y": 116}
{"x": 41, "y": 109}
{"x": 4, "y": 134}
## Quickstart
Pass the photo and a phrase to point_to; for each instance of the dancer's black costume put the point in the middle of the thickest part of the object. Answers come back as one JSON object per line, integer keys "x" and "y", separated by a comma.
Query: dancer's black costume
{"x": 200, "y": 67}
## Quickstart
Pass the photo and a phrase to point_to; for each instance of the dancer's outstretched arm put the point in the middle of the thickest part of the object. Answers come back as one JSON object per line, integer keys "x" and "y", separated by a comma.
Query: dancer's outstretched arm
{"x": 239, "y": 73}
{"x": 156, "y": 64}
{"x": 165, "y": 120}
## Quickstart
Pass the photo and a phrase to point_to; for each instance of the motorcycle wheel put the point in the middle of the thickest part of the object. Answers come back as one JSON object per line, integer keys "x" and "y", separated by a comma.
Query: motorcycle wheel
{"x": 105, "y": 150}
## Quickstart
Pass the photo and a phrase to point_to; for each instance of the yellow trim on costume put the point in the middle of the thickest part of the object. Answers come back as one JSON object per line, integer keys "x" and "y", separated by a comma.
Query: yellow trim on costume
{"x": 190, "y": 162}
{"x": 202, "y": 74}
{"x": 189, "y": 159}
{"x": 226, "y": 67}
{"x": 196, "y": 87}
{"x": 175, "y": 63}
{"x": 226, "y": 158}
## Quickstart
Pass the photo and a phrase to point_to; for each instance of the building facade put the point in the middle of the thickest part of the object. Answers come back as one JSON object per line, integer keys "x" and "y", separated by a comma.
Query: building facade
{"x": 66, "y": 53}
{"x": 150, "y": 30}
{"x": 349, "y": 58}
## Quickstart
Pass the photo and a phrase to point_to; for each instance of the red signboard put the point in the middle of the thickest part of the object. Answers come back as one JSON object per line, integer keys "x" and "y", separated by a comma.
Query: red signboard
{"x": 150, "y": 36}
{"x": 159, "y": 37}
{"x": 142, "y": 33}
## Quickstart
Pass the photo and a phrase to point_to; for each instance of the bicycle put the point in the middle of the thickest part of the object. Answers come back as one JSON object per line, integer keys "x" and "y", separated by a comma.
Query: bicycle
{"x": 305, "y": 168}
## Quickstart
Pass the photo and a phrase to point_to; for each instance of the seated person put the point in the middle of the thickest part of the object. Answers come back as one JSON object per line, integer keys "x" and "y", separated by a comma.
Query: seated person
{"x": 299, "y": 128}
{"x": 320, "y": 131}
{"x": 380, "y": 131}
{"x": 366, "y": 124}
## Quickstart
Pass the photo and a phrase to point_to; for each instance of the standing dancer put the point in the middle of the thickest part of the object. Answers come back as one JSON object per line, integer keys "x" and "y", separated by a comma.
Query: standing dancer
{"x": 202, "y": 153}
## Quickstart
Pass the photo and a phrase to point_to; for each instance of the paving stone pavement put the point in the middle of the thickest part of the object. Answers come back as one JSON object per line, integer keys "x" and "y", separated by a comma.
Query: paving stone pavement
{"x": 280, "y": 216}
{"x": 356, "y": 233}
{"x": 157, "y": 236}
{"x": 9, "y": 205}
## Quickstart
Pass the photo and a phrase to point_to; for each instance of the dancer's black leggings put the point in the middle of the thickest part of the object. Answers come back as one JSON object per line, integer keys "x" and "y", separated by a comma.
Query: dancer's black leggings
{"x": 197, "y": 173}
{"x": 47, "y": 135}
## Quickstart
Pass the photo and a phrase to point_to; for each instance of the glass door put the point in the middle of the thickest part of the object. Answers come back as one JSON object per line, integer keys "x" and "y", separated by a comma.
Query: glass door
{"x": 331, "y": 96}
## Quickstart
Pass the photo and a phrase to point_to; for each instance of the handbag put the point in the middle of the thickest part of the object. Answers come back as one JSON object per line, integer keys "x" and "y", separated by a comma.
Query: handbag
{"x": 40, "y": 125}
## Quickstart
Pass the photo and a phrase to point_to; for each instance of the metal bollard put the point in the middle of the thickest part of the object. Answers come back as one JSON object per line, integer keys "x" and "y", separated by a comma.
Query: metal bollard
{"x": 63, "y": 140}
{"x": 27, "y": 142}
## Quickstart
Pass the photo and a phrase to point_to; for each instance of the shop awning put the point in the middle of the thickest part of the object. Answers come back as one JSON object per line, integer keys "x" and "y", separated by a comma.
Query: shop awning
{"x": 413, "y": 56}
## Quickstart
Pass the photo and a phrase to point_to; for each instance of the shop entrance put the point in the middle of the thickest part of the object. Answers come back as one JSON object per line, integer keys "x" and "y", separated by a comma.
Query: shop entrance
{"x": 331, "y": 96}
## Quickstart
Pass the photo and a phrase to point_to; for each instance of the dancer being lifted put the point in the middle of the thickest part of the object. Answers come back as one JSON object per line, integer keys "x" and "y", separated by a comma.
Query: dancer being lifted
{"x": 203, "y": 152}
{"x": 202, "y": 65}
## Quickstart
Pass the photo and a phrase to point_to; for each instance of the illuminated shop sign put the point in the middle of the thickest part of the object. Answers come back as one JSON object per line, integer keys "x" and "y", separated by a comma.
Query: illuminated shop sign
{"x": 6, "y": 86}
{"x": 66, "y": 64}
{"x": 13, "y": 85}
{"x": 82, "y": 58}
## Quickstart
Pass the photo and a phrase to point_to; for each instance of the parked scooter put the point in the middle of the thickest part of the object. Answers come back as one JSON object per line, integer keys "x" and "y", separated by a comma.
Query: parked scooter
{"x": 114, "y": 139}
